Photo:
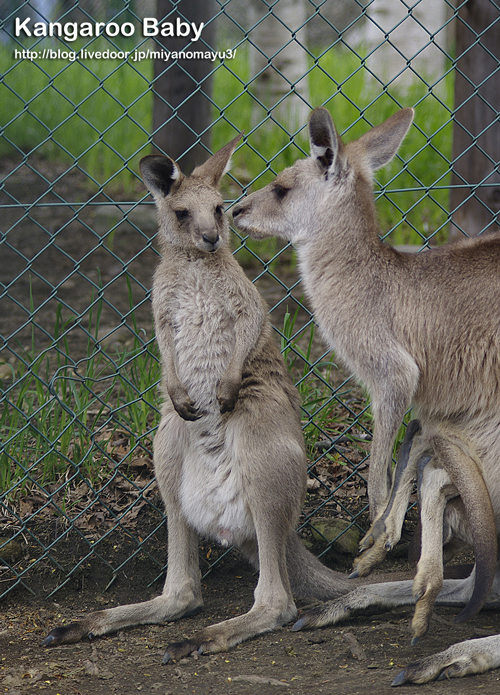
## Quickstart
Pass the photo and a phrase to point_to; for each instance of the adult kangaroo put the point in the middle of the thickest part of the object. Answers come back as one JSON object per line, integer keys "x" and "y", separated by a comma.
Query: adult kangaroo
{"x": 229, "y": 452}
{"x": 416, "y": 329}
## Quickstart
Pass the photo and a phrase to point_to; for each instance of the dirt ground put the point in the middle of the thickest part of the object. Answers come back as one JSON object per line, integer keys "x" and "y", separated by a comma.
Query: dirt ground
{"x": 357, "y": 658}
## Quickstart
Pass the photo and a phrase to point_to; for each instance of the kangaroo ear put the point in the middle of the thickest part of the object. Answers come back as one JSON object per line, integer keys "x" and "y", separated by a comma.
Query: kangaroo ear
{"x": 159, "y": 174}
{"x": 218, "y": 164}
{"x": 324, "y": 140}
{"x": 381, "y": 143}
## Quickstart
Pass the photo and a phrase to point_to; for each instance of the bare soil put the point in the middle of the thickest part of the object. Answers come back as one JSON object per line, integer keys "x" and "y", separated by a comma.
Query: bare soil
{"x": 361, "y": 657}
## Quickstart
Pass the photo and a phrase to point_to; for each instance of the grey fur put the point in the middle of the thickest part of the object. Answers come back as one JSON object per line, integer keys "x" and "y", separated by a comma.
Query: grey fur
{"x": 229, "y": 452}
{"x": 416, "y": 329}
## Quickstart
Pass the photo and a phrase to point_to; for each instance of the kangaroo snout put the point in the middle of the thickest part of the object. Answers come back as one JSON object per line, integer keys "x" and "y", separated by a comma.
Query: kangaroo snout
{"x": 211, "y": 240}
{"x": 246, "y": 221}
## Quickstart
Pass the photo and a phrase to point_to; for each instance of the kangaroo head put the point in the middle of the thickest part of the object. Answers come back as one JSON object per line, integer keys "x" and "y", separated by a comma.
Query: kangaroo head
{"x": 323, "y": 188}
{"x": 190, "y": 208}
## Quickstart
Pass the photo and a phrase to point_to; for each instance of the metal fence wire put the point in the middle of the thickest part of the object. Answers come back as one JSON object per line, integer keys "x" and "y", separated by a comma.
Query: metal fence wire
{"x": 79, "y": 106}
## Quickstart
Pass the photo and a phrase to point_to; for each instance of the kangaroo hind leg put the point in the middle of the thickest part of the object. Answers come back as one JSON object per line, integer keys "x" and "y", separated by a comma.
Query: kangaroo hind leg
{"x": 273, "y": 517}
{"x": 181, "y": 594}
{"x": 273, "y": 605}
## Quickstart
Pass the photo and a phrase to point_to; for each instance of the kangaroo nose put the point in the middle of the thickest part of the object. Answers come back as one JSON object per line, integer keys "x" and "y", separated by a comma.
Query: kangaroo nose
{"x": 211, "y": 239}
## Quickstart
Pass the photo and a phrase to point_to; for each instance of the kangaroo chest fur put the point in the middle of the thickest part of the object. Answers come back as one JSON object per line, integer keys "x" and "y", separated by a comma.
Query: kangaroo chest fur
{"x": 211, "y": 488}
{"x": 203, "y": 325}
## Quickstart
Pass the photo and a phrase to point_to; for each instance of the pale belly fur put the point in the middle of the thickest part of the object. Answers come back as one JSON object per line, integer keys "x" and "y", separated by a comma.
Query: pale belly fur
{"x": 212, "y": 494}
{"x": 211, "y": 489}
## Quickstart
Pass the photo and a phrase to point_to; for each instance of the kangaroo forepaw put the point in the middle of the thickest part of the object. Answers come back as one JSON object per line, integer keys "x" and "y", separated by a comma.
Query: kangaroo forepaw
{"x": 183, "y": 404}
{"x": 227, "y": 395}
{"x": 188, "y": 411}
{"x": 370, "y": 558}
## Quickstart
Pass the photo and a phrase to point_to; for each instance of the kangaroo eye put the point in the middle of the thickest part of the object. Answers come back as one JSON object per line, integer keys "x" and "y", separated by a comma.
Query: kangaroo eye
{"x": 181, "y": 214}
{"x": 280, "y": 191}
{"x": 218, "y": 210}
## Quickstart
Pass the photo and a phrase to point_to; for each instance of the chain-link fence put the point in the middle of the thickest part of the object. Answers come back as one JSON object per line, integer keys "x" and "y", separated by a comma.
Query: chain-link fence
{"x": 85, "y": 91}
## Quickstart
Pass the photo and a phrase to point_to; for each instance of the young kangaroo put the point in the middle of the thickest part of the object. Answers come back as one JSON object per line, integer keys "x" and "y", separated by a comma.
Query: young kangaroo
{"x": 454, "y": 504}
{"x": 229, "y": 453}
{"x": 421, "y": 329}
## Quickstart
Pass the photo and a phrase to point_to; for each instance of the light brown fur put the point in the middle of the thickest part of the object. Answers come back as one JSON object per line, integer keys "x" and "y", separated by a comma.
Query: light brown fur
{"x": 229, "y": 452}
{"x": 416, "y": 329}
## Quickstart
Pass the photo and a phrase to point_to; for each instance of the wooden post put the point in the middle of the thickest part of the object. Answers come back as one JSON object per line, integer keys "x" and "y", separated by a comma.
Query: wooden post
{"x": 182, "y": 110}
{"x": 476, "y": 131}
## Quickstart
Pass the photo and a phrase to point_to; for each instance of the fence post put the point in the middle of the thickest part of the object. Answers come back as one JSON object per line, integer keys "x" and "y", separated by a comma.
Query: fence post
{"x": 182, "y": 109}
{"x": 476, "y": 129}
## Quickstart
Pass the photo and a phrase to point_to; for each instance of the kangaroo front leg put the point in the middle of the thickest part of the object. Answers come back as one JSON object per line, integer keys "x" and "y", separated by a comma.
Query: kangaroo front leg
{"x": 248, "y": 327}
{"x": 273, "y": 605}
{"x": 181, "y": 400}
{"x": 398, "y": 374}
{"x": 385, "y": 531}
{"x": 181, "y": 594}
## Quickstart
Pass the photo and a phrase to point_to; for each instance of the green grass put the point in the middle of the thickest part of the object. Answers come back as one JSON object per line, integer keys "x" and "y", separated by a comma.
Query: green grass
{"x": 58, "y": 418}
{"x": 97, "y": 114}
{"x": 312, "y": 378}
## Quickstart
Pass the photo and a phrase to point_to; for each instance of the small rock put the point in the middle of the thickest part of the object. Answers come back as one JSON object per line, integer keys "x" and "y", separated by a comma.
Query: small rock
{"x": 10, "y": 550}
{"x": 90, "y": 668}
{"x": 106, "y": 675}
{"x": 356, "y": 649}
{"x": 346, "y": 537}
